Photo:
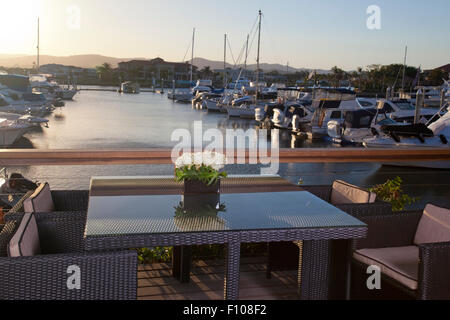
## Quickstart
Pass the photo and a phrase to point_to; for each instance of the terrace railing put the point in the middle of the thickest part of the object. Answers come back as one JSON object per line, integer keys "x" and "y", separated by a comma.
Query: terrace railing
{"x": 164, "y": 156}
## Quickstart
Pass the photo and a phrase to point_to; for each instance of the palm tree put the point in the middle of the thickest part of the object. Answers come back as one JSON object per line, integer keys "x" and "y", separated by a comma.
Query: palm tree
{"x": 104, "y": 71}
{"x": 206, "y": 72}
{"x": 338, "y": 74}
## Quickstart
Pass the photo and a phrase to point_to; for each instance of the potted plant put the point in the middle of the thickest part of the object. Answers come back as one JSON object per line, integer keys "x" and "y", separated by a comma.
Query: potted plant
{"x": 200, "y": 172}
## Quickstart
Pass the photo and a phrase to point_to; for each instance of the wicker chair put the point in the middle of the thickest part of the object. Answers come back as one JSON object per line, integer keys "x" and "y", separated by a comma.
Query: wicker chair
{"x": 67, "y": 201}
{"x": 285, "y": 255}
{"x": 398, "y": 230}
{"x": 104, "y": 275}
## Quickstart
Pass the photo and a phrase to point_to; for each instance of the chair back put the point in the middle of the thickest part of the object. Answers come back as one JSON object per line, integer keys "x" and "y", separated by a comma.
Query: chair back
{"x": 345, "y": 193}
{"x": 434, "y": 226}
{"x": 40, "y": 201}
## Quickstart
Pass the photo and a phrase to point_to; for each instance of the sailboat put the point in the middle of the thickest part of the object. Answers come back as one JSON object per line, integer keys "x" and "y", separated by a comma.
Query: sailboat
{"x": 39, "y": 82}
{"x": 248, "y": 110}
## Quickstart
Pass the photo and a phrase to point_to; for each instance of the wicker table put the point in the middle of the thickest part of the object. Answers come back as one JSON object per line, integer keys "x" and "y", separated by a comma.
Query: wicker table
{"x": 141, "y": 212}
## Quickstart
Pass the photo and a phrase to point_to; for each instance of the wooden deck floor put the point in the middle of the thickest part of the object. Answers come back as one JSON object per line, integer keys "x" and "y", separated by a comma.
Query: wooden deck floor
{"x": 156, "y": 283}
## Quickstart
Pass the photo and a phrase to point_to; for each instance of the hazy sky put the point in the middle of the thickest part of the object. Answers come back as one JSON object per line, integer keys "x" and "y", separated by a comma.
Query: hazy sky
{"x": 312, "y": 34}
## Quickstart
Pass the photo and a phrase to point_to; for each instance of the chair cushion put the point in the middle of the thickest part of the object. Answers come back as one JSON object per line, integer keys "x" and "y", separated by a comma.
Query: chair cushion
{"x": 40, "y": 201}
{"x": 434, "y": 226}
{"x": 25, "y": 242}
{"x": 400, "y": 263}
{"x": 345, "y": 193}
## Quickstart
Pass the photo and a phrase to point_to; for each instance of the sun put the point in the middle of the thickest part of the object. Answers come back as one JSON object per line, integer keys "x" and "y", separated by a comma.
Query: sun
{"x": 18, "y": 25}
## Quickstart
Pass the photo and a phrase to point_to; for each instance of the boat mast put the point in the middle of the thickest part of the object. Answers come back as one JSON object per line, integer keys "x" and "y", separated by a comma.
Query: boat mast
{"x": 225, "y": 80}
{"x": 257, "y": 57}
{"x": 404, "y": 69}
{"x": 192, "y": 56}
{"x": 246, "y": 53}
{"x": 37, "y": 62}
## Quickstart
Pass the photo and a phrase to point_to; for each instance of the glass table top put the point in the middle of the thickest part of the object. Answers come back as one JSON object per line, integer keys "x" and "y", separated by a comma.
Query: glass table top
{"x": 128, "y": 214}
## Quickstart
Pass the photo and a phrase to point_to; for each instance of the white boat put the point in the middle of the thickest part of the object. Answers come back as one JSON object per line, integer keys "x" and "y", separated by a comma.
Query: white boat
{"x": 239, "y": 84}
{"x": 291, "y": 116}
{"x": 358, "y": 125}
{"x": 403, "y": 110}
{"x": 212, "y": 104}
{"x": 329, "y": 110}
{"x": 34, "y": 104}
{"x": 130, "y": 87}
{"x": 24, "y": 119}
{"x": 243, "y": 111}
{"x": 435, "y": 135}
{"x": 41, "y": 83}
{"x": 11, "y": 131}
{"x": 181, "y": 95}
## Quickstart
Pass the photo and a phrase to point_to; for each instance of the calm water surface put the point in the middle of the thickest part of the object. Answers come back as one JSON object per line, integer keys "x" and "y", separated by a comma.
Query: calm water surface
{"x": 108, "y": 120}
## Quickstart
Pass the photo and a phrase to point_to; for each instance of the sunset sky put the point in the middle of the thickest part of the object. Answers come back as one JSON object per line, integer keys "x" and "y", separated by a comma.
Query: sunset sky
{"x": 312, "y": 34}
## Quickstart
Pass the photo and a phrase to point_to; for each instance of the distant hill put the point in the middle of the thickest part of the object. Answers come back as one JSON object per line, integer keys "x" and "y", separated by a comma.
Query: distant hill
{"x": 267, "y": 67}
{"x": 83, "y": 61}
{"x": 93, "y": 60}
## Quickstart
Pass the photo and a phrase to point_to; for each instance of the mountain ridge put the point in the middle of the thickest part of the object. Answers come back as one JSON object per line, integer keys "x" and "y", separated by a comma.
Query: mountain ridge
{"x": 93, "y": 60}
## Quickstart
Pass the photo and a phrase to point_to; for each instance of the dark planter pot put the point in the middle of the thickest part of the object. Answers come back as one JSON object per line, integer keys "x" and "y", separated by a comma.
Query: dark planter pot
{"x": 197, "y": 195}
{"x": 196, "y": 187}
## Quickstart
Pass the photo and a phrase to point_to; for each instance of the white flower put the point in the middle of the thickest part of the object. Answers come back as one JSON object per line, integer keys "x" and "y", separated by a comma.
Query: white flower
{"x": 213, "y": 159}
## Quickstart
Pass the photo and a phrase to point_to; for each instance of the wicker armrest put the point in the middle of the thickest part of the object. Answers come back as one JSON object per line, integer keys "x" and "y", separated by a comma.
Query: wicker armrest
{"x": 434, "y": 271}
{"x": 71, "y": 200}
{"x": 103, "y": 276}
{"x": 18, "y": 207}
{"x": 323, "y": 192}
{"x": 59, "y": 232}
{"x": 393, "y": 230}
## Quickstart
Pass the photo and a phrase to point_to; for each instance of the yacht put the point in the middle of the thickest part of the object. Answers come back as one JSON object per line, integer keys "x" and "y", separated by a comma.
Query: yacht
{"x": 402, "y": 110}
{"x": 432, "y": 135}
{"x": 24, "y": 119}
{"x": 358, "y": 125}
{"x": 328, "y": 110}
{"x": 279, "y": 114}
{"x": 130, "y": 87}
{"x": 432, "y": 95}
{"x": 182, "y": 95}
{"x": 292, "y": 116}
{"x": 11, "y": 131}
{"x": 42, "y": 83}
{"x": 32, "y": 103}
{"x": 239, "y": 84}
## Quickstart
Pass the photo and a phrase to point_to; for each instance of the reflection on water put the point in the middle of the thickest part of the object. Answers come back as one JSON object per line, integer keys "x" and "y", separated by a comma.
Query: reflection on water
{"x": 104, "y": 120}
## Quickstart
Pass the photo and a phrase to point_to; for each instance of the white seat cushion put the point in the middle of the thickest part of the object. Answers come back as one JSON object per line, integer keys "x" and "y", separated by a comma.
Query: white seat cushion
{"x": 434, "y": 226}
{"x": 399, "y": 263}
{"x": 25, "y": 242}
{"x": 345, "y": 193}
{"x": 40, "y": 201}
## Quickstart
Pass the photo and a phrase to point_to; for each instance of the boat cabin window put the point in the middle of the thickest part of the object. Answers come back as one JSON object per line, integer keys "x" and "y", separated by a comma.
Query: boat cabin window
{"x": 335, "y": 115}
{"x": 386, "y": 122}
{"x": 364, "y": 103}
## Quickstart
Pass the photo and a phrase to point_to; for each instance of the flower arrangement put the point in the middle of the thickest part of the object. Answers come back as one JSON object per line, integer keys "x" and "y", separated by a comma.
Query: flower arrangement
{"x": 201, "y": 166}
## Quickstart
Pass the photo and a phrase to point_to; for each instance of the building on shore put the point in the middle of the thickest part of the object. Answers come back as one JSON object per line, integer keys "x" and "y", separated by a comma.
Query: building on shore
{"x": 68, "y": 73}
{"x": 156, "y": 69}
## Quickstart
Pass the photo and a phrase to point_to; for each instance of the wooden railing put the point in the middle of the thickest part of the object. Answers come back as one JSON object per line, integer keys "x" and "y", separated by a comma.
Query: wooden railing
{"x": 163, "y": 156}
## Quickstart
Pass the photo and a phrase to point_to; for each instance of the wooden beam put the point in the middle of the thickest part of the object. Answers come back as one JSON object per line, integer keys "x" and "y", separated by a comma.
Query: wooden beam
{"x": 163, "y": 156}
